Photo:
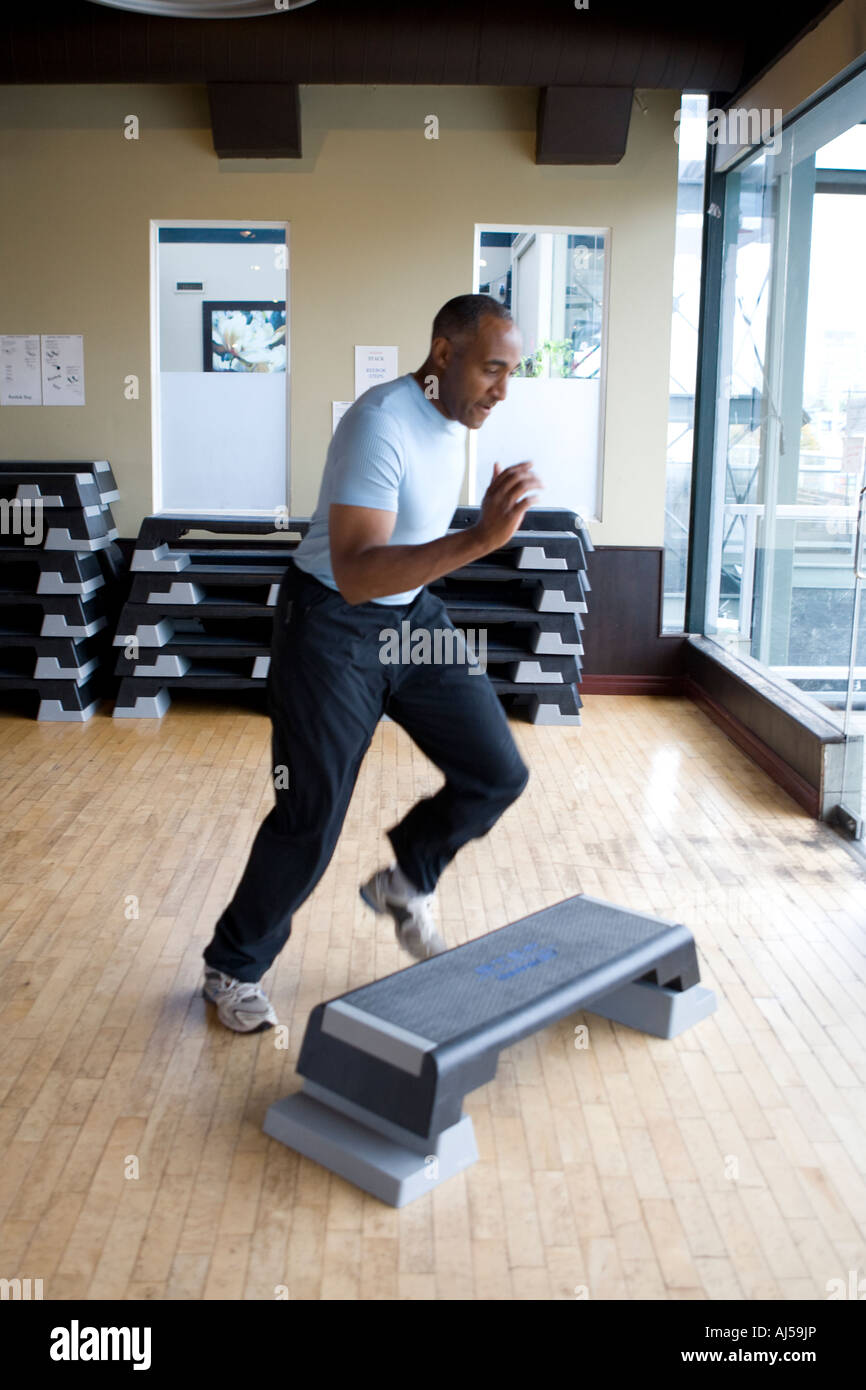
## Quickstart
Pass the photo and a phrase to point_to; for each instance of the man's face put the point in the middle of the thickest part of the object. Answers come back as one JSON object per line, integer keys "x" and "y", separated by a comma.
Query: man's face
{"x": 473, "y": 372}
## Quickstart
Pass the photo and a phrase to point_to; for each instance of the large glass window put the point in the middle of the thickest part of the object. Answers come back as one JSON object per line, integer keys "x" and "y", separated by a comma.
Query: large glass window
{"x": 791, "y": 412}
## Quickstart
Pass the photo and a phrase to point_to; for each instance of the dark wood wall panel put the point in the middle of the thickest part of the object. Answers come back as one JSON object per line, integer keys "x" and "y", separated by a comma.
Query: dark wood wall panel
{"x": 624, "y": 651}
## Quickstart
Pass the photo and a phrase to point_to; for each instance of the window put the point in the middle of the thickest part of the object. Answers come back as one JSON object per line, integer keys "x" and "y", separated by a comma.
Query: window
{"x": 554, "y": 281}
{"x": 791, "y": 409}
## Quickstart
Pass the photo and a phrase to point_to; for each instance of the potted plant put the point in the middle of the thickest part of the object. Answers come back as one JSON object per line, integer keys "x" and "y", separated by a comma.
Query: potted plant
{"x": 555, "y": 358}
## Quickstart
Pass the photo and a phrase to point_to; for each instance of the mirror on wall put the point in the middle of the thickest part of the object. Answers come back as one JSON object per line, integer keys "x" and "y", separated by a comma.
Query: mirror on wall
{"x": 221, "y": 438}
{"x": 554, "y": 282}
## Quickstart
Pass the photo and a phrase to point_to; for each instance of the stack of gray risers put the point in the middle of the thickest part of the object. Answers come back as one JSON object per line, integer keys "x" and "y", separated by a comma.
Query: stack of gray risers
{"x": 529, "y": 598}
{"x": 200, "y": 613}
{"x": 60, "y": 571}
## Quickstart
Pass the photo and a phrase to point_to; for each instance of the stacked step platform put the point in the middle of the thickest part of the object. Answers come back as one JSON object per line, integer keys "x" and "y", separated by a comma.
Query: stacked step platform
{"x": 60, "y": 571}
{"x": 200, "y": 613}
{"x": 529, "y": 597}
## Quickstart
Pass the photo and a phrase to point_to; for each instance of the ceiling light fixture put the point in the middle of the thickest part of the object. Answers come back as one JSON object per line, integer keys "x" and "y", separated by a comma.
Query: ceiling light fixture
{"x": 205, "y": 9}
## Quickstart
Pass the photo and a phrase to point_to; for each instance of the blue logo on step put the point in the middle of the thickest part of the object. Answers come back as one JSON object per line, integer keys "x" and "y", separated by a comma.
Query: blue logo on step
{"x": 503, "y": 967}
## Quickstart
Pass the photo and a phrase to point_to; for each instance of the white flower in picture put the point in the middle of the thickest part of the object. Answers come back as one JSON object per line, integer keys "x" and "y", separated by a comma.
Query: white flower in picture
{"x": 250, "y": 340}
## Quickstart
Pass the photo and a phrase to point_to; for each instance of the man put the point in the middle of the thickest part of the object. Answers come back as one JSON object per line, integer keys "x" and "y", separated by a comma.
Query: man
{"x": 389, "y": 490}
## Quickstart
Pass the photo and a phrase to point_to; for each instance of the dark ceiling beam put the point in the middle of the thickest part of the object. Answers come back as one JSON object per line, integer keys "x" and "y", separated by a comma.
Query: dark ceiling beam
{"x": 582, "y": 125}
{"x": 255, "y": 120}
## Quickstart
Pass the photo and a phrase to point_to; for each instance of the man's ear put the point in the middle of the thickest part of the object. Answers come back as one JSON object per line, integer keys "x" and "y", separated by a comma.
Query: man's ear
{"x": 441, "y": 352}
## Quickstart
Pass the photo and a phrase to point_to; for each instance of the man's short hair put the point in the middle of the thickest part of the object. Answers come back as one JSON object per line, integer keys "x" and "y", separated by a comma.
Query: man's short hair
{"x": 460, "y": 317}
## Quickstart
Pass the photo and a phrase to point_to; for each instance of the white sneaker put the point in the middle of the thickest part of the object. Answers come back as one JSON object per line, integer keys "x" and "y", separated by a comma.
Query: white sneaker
{"x": 241, "y": 1005}
{"x": 389, "y": 891}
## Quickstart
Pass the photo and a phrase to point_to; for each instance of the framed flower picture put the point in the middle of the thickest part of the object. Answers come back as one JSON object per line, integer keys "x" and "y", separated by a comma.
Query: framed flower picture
{"x": 246, "y": 335}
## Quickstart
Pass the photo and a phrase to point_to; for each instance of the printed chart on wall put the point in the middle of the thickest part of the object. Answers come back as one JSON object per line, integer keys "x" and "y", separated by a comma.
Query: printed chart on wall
{"x": 41, "y": 369}
{"x": 20, "y": 369}
{"x": 63, "y": 369}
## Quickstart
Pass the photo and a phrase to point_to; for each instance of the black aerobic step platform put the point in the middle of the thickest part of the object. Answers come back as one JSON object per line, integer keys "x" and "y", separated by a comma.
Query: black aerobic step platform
{"x": 57, "y": 489}
{"x": 52, "y": 571}
{"x": 470, "y": 610}
{"x": 190, "y": 655}
{"x": 54, "y": 615}
{"x": 191, "y": 652}
{"x": 528, "y": 633}
{"x": 100, "y": 470}
{"x": 541, "y": 550}
{"x": 538, "y": 520}
{"x": 152, "y": 550}
{"x": 150, "y": 628}
{"x": 386, "y": 1067}
{"x": 217, "y": 567}
{"x": 255, "y": 587}
{"x": 241, "y": 550}
{"x": 70, "y": 528}
{"x": 544, "y": 550}
{"x": 196, "y": 555}
{"x": 505, "y": 566}
{"x": 541, "y": 519}
{"x": 171, "y": 526}
{"x": 549, "y": 704}
{"x": 57, "y": 701}
{"x": 149, "y": 697}
{"x": 533, "y": 594}
{"x": 52, "y": 658}
{"x": 506, "y": 664}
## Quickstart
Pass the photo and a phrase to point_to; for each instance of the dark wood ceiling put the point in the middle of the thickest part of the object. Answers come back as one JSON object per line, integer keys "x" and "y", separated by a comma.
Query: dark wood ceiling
{"x": 620, "y": 43}
{"x": 586, "y": 63}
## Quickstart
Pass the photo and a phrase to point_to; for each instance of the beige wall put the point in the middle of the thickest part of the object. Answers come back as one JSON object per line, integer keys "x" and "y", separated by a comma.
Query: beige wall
{"x": 381, "y": 234}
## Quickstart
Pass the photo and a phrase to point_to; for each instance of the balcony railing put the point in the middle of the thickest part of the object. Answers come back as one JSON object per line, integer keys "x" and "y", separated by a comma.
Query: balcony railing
{"x": 751, "y": 513}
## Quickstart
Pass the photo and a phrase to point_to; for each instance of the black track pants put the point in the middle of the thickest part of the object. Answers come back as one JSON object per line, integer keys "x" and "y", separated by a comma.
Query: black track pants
{"x": 327, "y": 688}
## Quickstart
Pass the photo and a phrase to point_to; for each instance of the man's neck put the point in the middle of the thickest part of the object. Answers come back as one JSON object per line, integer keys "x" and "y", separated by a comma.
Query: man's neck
{"x": 421, "y": 376}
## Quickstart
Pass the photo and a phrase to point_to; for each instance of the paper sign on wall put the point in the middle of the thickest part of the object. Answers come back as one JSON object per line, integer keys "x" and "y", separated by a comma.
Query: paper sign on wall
{"x": 373, "y": 365}
{"x": 62, "y": 369}
{"x": 20, "y": 369}
{"x": 338, "y": 410}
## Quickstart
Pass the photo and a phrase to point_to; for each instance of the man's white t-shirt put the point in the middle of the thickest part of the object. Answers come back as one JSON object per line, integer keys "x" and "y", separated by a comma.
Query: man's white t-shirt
{"x": 392, "y": 450}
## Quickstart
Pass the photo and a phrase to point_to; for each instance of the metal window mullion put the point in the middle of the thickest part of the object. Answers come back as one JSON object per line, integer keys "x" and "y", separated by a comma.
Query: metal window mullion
{"x": 771, "y": 442}
{"x": 702, "y": 578}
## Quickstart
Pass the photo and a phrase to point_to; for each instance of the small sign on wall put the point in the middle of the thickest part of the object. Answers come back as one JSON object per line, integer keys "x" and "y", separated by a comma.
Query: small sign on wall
{"x": 41, "y": 369}
{"x": 20, "y": 369}
{"x": 62, "y": 369}
{"x": 338, "y": 410}
{"x": 373, "y": 365}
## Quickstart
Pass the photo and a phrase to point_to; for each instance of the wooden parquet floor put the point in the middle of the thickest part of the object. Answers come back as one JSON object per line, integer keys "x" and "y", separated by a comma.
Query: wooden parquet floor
{"x": 727, "y": 1163}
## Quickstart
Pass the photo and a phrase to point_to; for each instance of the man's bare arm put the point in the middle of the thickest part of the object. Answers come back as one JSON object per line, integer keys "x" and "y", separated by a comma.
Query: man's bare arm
{"x": 365, "y": 566}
